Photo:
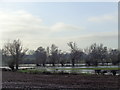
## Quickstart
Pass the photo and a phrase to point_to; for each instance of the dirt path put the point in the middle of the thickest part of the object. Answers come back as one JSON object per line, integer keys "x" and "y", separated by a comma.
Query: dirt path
{"x": 55, "y": 82}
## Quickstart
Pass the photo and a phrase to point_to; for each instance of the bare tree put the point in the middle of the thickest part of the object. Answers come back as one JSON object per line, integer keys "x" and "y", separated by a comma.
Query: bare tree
{"x": 16, "y": 51}
{"x": 102, "y": 53}
{"x": 62, "y": 58}
{"x": 75, "y": 52}
{"x": 114, "y": 56}
{"x": 96, "y": 53}
{"x": 41, "y": 56}
{"x": 54, "y": 54}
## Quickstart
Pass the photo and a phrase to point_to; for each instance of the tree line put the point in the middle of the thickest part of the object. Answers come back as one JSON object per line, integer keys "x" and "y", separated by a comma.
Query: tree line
{"x": 13, "y": 53}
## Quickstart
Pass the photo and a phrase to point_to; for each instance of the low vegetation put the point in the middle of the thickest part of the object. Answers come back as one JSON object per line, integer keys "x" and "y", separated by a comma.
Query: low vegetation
{"x": 63, "y": 70}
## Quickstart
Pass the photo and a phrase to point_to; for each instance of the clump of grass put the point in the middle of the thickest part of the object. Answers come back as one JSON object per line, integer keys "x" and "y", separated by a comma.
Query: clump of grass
{"x": 86, "y": 74}
{"x": 32, "y": 71}
{"x": 63, "y": 73}
{"x": 46, "y": 72}
{"x": 35, "y": 71}
{"x": 23, "y": 71}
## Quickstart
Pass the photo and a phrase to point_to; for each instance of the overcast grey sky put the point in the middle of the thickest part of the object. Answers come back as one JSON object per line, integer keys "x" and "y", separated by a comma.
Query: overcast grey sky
{"x": 42, "y": 24}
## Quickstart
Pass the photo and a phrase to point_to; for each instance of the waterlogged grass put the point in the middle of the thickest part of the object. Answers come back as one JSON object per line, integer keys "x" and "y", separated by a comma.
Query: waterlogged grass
{"x": 38, "y": 71}
{"x": 61, "y": 70}
{"x": 34, "y": 71}
{"x": 115, "y": 68}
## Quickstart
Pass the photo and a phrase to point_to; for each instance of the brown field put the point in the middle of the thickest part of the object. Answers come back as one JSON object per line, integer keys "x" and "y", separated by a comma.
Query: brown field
{"x": 23, "y": 81}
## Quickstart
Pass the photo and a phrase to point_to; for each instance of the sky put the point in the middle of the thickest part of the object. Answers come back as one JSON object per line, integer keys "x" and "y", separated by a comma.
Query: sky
{"x": 44, "y": 23}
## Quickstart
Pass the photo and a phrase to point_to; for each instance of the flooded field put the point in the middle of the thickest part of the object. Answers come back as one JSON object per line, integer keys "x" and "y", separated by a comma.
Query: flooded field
{"x": 80, "y": 68}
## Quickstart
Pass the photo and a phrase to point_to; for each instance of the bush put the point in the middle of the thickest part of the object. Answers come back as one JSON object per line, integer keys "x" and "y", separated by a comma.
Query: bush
{"x": 46, "y": 72}
{"x": 5, "y": 69}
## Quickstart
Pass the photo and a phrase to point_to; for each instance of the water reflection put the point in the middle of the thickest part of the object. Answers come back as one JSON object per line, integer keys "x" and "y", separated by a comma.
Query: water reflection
{"x": 64, "y": 69}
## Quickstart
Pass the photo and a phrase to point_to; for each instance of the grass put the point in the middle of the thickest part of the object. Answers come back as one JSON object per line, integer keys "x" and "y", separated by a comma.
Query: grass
{"x": 38, "y": 71}
{"x": 33, "y": 71}
{"x": 61, "y": 70}
{"x": 89, "y": 68}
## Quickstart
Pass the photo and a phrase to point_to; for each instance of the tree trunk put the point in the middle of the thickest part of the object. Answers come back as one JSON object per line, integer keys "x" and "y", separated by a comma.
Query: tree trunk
{"x": 53, "y": 64}
{"x": 62, "y": 64}
{"x": 12, "y": 67}
{"x": 73, "y": 62}
{"x": 16, "y": 64}
{"x": 43, "y": 64}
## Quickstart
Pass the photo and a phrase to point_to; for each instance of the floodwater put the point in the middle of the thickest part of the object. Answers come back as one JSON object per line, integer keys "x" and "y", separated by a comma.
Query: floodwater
{"x": 67, "y": 68}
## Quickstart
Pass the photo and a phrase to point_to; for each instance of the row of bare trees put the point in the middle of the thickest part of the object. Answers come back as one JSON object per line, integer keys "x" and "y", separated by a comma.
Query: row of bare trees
{"x": 14, "y": 52}
{"x": 96, "y": 54}
{"x": 51, "y": 55}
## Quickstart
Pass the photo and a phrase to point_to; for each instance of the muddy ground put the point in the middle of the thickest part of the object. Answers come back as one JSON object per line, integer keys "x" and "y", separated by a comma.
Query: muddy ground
{"x": 23, "y": 81}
